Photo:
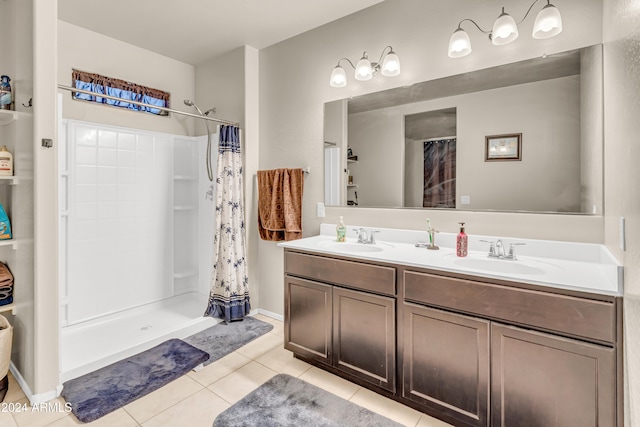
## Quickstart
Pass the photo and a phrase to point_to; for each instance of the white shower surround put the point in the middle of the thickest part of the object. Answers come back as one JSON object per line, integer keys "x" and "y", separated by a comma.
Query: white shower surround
{"x": 135, "y": 233}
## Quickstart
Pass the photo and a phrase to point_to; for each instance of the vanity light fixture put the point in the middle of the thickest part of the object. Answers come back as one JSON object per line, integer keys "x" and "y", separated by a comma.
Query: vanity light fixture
{"x": 548, "y": 23}
{"x": 388, "y": 65}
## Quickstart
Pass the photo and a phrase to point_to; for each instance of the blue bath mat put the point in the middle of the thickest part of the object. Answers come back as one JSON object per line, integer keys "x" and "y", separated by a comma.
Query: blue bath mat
{"x": 98, "y": 393}
{"x": 285, "y": 401}
{"x": 222, "y": 339}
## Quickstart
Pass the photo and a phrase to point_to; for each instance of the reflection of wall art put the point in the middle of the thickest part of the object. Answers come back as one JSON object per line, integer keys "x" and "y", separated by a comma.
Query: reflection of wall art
{"x": 503, "y": 147}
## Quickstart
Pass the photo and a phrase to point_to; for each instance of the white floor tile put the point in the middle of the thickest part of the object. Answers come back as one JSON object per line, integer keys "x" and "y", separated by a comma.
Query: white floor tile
{"x": 219, "y": 369}
{"x": 282, "y": 361}
{"x": 198, "y": 410}
{"x": 386, "y": 407}
{"x": 118, "y": 418}
{"x": 261, "y": 345}
{"x": 332, "y": 383}
{"x": 152, "y": 404}
{"x": 235, "y": 386}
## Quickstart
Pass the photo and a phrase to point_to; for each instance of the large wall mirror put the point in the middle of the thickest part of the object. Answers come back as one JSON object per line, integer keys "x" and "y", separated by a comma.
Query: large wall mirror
{"x": 526, "y": 136}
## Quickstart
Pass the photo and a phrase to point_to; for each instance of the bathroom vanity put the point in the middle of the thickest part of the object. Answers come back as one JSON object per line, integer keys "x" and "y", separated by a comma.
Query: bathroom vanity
{"x": 474, "y": 342}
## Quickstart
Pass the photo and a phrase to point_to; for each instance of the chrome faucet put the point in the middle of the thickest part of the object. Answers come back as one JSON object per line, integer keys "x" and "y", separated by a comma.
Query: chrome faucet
{"x": 365, "y": 236}
{"x": 496, "y": 250}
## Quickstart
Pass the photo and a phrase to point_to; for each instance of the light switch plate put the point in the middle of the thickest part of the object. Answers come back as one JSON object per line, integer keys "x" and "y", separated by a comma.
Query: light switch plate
{"x": 320, "y": 210}
{"x": 465, "y": 200}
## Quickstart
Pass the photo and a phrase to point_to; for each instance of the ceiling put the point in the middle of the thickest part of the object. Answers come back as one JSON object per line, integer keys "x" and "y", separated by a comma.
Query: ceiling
{"x": 194, "y": 31}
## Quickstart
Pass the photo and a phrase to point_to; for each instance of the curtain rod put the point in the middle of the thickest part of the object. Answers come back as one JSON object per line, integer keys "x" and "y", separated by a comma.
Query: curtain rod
{"x": 142, "y": 104}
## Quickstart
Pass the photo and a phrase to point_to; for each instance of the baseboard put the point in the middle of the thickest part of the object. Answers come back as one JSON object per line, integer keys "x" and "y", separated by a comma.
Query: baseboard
{"x": 271, "y": 314}
{"x": 34, "y": 399}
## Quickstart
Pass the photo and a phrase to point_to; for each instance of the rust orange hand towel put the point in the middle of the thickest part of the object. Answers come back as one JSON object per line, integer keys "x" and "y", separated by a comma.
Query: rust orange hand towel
{"x": 280, "y": 204}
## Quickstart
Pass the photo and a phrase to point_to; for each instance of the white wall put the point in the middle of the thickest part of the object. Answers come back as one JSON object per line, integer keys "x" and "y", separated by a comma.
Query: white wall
{"x": 546, "y": 179}
{"x": 294, "y": 87}
{"x": 95, "y": 53}
{"x": 622, "y": 175}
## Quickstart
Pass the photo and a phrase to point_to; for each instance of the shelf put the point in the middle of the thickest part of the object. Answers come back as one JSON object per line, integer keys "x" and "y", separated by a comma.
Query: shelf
{"x": 185, "y": 274}
{"x": 8, "y": 116}
{"x": 9, "y": 307}
{"x": 185, "y": 208}
{"x": 352, "y": 185}
{"x": 352, "y": 159}
{"x": 9, "y": 242}
{"x": 185, "y": 177}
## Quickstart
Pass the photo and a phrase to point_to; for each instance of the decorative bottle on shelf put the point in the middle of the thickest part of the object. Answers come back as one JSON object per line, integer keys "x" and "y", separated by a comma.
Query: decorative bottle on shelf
{"x": 341, "y": 231}
{"x": 6, "y": 162}
{"x": 461, "y": 242}
{"x": 5, "y": 93}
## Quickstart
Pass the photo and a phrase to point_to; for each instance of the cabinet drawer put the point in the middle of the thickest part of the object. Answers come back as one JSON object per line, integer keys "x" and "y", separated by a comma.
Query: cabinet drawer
{"x": 580, "y": 317}
{"x": 357, "y": 275}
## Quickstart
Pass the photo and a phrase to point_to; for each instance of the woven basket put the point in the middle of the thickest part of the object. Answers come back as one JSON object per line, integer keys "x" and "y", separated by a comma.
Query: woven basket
{"x": 6, "y": 338}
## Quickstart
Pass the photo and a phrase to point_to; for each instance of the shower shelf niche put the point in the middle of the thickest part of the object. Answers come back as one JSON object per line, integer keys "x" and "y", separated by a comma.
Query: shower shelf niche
{"x": 185, "y": 178}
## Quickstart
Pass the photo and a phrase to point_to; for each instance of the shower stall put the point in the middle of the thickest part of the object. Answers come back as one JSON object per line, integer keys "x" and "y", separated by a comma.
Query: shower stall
{"x": 136, "y": 226}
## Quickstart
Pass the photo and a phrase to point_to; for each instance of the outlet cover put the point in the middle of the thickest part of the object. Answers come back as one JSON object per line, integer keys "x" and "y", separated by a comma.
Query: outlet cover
{"x": 465, "y": 200}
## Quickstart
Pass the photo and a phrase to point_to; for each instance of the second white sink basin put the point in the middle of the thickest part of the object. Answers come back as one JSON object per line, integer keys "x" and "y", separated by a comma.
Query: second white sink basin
{"x": 526, "y": 267}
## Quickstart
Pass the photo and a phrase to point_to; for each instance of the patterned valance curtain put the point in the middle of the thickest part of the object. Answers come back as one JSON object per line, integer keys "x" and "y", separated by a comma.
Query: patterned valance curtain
{"x": 439, "y": 173}
{"x": 126, "y": 91}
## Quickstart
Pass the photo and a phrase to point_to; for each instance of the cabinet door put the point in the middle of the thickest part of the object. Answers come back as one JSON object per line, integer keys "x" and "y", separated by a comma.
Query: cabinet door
{"x": 545, "y": 380}
{"x": 307, "y": 319}
{"x": 446, "y": 363}
{"x": 364, "y": 339}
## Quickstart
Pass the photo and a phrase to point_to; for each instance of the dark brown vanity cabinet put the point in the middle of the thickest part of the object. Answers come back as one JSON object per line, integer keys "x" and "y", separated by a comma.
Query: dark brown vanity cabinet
{"x": 335, "y": 315}
{"x": 446, "y": 363}
{"x": 549, "y": 381}
{"x": 471, "y": 351}
{"x": 554, "y": 366}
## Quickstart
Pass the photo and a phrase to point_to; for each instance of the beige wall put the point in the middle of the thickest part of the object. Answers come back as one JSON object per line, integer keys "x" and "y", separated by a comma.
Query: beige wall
{"x": 95, "y": 53}
{"x": 622, "y": 174}
{"x": 294, "y": 87}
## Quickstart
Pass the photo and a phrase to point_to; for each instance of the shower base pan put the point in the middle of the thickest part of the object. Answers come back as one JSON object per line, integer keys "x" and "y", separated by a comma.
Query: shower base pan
{"x": 94, "y": 344}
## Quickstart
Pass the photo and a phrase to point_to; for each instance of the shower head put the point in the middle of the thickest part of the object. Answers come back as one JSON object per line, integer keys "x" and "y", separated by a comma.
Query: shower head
{"x": 190, "y": 103}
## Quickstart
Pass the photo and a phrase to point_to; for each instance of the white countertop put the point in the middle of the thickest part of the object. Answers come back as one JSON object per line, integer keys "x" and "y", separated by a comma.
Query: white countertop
{"x": 565, "y": 265}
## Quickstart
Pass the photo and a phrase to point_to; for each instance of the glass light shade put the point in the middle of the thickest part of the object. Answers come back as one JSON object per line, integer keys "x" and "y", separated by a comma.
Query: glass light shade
{"x": 459, "y": 44}
{"x": 391, "y": 65}
{"x": 363, "y": 69}
{"x": 548, "y": 23}
{"x": 338, "y": 77}
{"x": 505, "y": 30}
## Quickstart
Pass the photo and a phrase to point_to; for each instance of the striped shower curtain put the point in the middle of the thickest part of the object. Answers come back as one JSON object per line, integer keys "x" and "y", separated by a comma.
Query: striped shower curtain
{"x": 229, "y": 296}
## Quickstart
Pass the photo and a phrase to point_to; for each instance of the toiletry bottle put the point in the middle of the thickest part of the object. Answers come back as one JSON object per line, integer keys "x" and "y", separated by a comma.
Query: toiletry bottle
{"x": 429, "y": 235}
{"x": 461, "y": 241}
{"x": 5, "y": 93}
{"x": 341, "y": 231}
{"x": 6, "y": 162}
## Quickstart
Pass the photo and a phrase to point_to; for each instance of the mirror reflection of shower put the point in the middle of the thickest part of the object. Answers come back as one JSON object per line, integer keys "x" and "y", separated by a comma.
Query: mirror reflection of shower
{"x": 190, "y": 103}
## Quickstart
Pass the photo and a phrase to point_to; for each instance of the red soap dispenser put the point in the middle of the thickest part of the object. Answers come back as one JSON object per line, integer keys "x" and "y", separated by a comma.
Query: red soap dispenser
{"x": 461, "y": 241}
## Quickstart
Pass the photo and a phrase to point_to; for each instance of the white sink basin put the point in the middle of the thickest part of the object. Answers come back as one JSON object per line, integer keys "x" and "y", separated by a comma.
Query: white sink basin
{"x": 354, "y": 247}
{"x": 526, "y": 267}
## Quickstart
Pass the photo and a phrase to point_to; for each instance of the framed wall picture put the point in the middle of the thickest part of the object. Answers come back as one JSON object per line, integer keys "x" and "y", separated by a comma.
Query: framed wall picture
{"x": 503, "y": 147}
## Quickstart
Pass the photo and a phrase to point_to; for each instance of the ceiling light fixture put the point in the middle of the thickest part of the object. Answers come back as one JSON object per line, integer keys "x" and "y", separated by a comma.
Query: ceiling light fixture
{"x": 548, "y": 23}
{"x": 388, "y": 65}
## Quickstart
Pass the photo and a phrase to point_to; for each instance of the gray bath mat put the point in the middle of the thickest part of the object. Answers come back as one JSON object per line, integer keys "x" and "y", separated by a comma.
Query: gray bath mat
{"x": 98, "y": 393}
{"x": 223, "y": 338}
{"x": 287, "y": 401}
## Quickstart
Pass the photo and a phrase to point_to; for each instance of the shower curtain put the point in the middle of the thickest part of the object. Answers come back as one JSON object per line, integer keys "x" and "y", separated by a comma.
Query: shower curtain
{"x": 229, "y": 296}
{"x": 439, "y": 173}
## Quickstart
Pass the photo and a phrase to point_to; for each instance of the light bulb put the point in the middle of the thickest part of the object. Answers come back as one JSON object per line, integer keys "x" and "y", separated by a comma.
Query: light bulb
{"x": 391, "y": 65}
{"x": 548, "y": 23}
{"x": 459, "y": 44}
{"x": 363, "y": 69}
{"x": 338, "y": 77}
{"x": 505, "y": 29}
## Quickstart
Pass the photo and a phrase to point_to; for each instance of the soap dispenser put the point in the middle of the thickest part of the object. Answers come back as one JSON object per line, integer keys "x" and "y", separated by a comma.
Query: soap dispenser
{"x": 461, "y": 242}
{"x": 341, "y": 231}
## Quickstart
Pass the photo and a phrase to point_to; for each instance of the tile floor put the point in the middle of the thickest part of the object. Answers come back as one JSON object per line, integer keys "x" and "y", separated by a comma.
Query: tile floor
{"x": 198, "y": 397}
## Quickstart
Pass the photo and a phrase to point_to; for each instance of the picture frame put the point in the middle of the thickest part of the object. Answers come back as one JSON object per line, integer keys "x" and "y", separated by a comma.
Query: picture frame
{"x": 503, "y": 147}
